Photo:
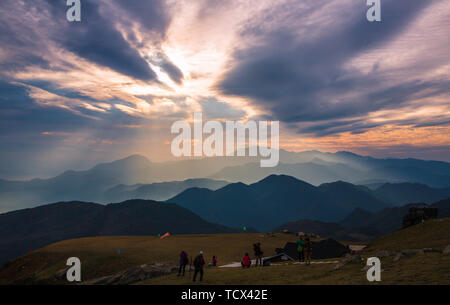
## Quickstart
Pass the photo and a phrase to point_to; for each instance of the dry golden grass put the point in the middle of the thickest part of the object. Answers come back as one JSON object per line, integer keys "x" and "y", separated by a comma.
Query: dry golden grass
{"x": 431, "y": 234}
{"x": 428, "y": 269}
{"x": 99, "y": 257}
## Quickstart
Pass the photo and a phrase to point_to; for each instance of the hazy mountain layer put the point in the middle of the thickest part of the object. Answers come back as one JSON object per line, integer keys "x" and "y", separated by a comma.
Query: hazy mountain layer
{"x": 317, "y": 168}
{"x": 124, "y": 179}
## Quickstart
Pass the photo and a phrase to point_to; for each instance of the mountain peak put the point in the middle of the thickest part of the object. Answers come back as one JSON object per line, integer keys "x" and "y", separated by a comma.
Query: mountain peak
{"x": 134, "y": 158}
{"x": 276, "y": 178}
{"x": 137, "y": 161}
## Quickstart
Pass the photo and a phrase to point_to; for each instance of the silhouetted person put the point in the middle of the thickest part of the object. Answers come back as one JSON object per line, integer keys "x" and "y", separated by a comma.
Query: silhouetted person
{"x": 258, "y": 253}
{"x": 301, "y": 249}
{"x": 214, "y": 261}
{"x": 199, "y": 262}
{"x": 308, "y": 250}
{"x": 183, "y": 262}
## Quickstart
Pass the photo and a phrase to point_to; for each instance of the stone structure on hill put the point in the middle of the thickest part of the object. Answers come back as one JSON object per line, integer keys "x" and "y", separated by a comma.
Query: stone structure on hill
{"x": 328, "y": 248}
{"x": 417, "y": 215}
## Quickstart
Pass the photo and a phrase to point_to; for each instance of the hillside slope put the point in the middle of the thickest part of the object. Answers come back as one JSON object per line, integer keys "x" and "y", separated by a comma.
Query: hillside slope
{"x": 24, "y": 230}
{"x": 99, "y": 257}
{"x": 423, "y": 269}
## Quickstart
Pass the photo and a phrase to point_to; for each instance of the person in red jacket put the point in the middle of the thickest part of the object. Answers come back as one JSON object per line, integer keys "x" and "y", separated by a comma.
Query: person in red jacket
{"x": 246, "y": 261}
{"x": 199, "y": 262}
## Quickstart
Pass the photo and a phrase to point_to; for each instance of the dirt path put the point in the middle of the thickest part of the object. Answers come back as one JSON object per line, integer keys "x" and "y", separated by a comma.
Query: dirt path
{"x": 238, "y": 264}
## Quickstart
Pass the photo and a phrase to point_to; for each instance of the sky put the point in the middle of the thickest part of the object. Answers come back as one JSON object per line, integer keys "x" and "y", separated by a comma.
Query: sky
{"x": 73, "y": 94}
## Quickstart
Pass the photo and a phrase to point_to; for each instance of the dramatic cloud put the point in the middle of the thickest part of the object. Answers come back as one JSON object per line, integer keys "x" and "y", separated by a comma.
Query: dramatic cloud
{"x": 73, "y": 94}
{"x": 300, "y": 72}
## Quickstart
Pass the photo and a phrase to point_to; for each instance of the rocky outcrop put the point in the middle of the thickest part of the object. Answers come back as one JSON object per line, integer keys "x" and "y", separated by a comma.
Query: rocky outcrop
{"x": 61, "y": 274}
{"x": 408, "y": 253}
{"x": 417, "y": 215}
{"x": 134, "y": 274}
{"x": 383, "y": 253}
{"x": 386, "y": 253}
{"x": 349, "y": 259}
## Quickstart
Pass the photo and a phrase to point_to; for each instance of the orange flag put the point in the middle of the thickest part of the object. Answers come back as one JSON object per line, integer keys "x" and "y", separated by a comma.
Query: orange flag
{"x": 165, "y": 235}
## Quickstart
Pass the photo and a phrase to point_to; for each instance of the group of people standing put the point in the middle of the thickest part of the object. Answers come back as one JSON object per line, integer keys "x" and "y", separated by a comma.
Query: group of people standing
{"x": 199, "y": 263}
{"x": 304, "y": 248}
{"x": 246, "y": 260}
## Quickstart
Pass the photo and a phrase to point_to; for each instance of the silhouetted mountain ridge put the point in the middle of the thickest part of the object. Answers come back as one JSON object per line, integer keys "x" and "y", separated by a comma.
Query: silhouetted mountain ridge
{"x": 402, "y": 193}
{"x": 33, "y": 228}
{"x": 390, "y": 219}
{"x": 275, "y": 200}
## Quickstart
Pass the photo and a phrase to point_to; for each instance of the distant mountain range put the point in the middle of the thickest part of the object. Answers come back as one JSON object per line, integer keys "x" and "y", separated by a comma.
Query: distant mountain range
{"x": 33, "y": 228}
{"x": 317, "y": 167}
{"x": 134, "y": 177}
{"x": 157, "y": 191}
{"x": 402, "y": 193}
{"x": 101, "y": 184}
{"x": 275, "y": 200}
{"x": 361, "y": 225}
{"x": 279, "y": 198}
{"x": 389, "y": 219}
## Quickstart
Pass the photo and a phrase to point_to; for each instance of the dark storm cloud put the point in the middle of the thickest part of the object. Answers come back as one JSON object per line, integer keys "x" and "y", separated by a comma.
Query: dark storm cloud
{"x": 326, "y": 122}
{"x": 164, "y": 62}
{"x": 96, "y": 39}
{"x": 306, "y": 81}
{"x": 152, "y": 14}
{"x": 20, "y": 45}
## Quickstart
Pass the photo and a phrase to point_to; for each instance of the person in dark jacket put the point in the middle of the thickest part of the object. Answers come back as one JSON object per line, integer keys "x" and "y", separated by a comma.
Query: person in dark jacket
{"x": 308, "y": 250}
{"x": 258, "y": 254}
{"x": 183, "y": 262}
{"x": 214, "y": 261}
{"x": 199, "y": 262}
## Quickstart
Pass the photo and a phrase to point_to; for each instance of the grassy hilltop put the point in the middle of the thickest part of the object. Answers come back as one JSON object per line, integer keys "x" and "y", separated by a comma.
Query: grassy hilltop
{"x": 99, "y": 257}
{"x": 426, "y": 269}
